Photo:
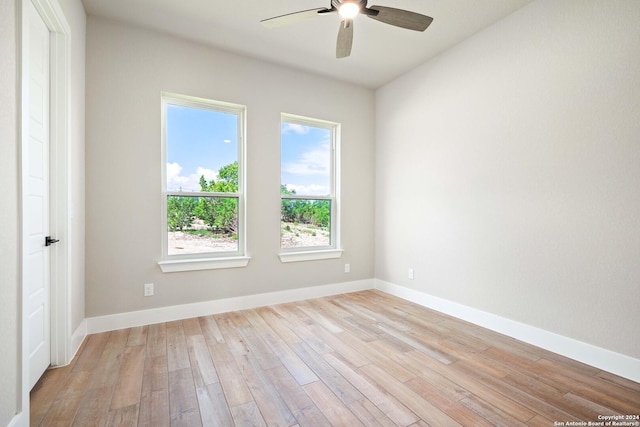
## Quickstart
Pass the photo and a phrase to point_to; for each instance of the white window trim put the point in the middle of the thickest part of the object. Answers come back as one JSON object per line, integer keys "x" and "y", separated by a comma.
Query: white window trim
{"x": 209, "y": 260}
{"x": 313, "y": 253}
{"x": 173, "y": 266}
{"x": 310, "y": 255}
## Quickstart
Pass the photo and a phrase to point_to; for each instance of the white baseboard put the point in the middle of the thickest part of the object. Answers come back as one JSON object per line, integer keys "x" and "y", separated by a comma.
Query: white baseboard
{"x": 20, "y": 420}
{"x": 185, "y": 311}
{"x": 77, "y": 338}
{"x": 616, "y": 363}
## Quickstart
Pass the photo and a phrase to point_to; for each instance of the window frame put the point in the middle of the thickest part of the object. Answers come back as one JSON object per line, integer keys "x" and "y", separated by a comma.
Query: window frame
{"x": 204, "y": 260}
{"x": 333, "y": 250}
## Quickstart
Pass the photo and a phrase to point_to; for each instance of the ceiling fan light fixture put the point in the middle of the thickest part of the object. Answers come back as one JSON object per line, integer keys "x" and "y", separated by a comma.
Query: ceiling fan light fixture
{"x": 349, "y": 10}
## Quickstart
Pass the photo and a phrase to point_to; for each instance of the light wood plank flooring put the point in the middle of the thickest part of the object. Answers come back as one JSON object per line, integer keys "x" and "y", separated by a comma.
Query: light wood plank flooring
{"x": 360, "y": 359}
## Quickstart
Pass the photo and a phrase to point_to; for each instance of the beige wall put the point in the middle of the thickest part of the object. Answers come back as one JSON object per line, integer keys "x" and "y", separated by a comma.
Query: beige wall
{"x": 127, "y": 68}
{"x": 508, "y": 172}
{"x": 9, "y": 243}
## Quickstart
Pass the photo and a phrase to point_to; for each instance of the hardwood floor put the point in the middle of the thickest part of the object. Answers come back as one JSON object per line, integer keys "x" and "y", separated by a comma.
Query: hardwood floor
{"x": 361, "y": 359}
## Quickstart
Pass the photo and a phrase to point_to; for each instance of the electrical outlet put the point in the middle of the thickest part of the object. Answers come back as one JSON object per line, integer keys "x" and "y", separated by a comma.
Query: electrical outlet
{"x": 410, "y": 274}
{"x": 347, "y": 268}
{"x": 148, "y": 289}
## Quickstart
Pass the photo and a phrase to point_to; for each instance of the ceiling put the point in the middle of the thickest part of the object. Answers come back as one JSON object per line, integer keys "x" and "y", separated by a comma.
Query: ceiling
{"x": 380, "y": 52}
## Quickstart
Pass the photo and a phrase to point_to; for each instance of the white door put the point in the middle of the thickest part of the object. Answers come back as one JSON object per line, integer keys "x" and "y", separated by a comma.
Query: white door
{"x": 36, "y": 196}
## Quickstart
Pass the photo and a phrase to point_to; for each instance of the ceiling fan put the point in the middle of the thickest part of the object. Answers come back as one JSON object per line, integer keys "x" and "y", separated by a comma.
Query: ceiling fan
{"x": 349, "y": 9}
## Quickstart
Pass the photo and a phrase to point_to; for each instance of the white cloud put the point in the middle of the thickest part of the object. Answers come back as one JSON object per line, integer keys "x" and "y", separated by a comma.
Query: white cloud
{"x": 299, "y": 129}
{"x": 176, "y": 181}
{"x": 314, "y": 162}
{"x": 208, "y": 173}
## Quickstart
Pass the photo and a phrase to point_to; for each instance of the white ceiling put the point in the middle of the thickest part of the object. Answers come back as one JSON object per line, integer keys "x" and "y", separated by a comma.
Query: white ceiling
{"x": 380, "y": 52}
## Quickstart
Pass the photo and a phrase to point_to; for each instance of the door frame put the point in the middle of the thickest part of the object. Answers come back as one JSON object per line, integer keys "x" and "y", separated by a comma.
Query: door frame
{"x": 60, "y": 203}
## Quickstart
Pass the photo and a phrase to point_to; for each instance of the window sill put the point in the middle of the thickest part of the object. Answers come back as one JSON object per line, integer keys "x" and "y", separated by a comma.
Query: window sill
{"x": 310, "y": 255}
{"x": 194, "y": 264}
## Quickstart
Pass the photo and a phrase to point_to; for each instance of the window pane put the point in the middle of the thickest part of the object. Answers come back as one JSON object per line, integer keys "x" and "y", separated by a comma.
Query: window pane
{"x": 306, "y": 159}
{"x": 202, "y": 224}
{"x": 202, "y": 149}
{"x": 305, "y": 223}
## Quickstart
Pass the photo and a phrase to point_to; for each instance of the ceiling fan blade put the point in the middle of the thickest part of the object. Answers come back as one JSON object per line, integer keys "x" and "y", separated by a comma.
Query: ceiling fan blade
{"x": 291, "y": 18}
{"x": 345, "y": 39}
{"x": 401, "y": 18}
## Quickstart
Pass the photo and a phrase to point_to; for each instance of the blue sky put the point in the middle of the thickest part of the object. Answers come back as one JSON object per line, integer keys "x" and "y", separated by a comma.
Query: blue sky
{"x": 200, "y": 142}
{"x": 306, "y": 159}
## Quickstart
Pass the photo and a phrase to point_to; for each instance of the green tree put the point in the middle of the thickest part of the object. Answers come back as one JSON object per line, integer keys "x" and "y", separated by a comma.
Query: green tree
{"x": 220, "y": 213}
{"x": 304, "y": 211}
{"x": 287, "y": 205}
{"x": 229, "y": 175}
{"x": 180, "y": 212}
{"x": 321, "y": 213}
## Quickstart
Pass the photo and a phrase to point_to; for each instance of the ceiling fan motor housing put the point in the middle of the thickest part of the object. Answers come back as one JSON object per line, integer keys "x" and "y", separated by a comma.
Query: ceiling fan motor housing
{"x": 335, "y": 4}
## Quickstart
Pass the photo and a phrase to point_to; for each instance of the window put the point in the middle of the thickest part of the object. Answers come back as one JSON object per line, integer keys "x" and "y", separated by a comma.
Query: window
{"x": 203, "y": 183}
{"x": 308, "y": 204}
